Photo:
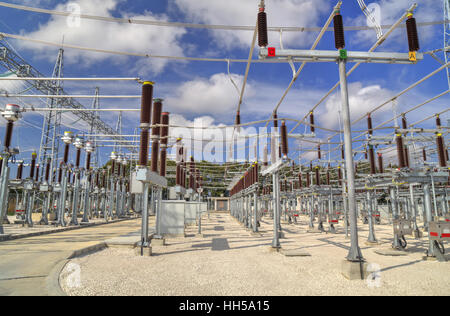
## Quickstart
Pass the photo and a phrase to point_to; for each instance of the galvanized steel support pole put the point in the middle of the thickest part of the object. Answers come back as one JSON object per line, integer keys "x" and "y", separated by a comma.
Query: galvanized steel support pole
{"x": 355, "y": 252}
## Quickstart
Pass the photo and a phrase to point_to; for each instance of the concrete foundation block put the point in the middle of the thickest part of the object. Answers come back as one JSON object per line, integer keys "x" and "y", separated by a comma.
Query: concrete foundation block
{"x": 295, "y": 253}
{"x": 390, "y": 252}
{"x": 354, "y": 270}
{"x": 158, "y": 242}
{"x": 146, "y": 251}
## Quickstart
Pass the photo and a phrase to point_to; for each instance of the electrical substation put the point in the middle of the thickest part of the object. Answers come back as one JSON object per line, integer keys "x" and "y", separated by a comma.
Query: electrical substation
{"x": 336, "y": 209}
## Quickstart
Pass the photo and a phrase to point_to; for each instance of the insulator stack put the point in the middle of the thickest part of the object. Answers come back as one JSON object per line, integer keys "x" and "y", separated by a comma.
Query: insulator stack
{"x": 191, "y": 173}
{"x": 446, "y": 154}
{"x": 319, "y": 154}
{"x": 263, "y": 38}
{"x": 113, "y": 168}
{"x": 19, "y": 171}
{"x": 36, "y": 178}
{"x": 238, "y": 119}
{"x": 369, "y": 124}
{"x": 373, "y": 169}
{"x": 340, "y": 174}
{"x": 77, "y": 161}
{"x": 404, "y": 122}
{"x": 342, "y": 153}
{"x": 424, "y": 154}
{"x": 1, "y": 165}
{"x": 97, "y": 179}
{"x": 33, "y": 164}
{"x": 162, "y": 170}
{"x": 88, "y": 162}
{"x": 47, "y": 169}
{"x": 284, "y": 139}
{"x": 300, "y": 180}
{"x": 400, "y": 151}
{"x": 275, "y": 120}
{"x": 441, "y": 150}
{"x": 339, "y": 31}
{"x": 156, "y": 132}
{"x": 256, "y": 173}
{"x": 8, "y": 135}
{"x": 164, "y": 141}
{"x": 143, "y": 152}
{"x": 164, "y": 130}
{"x": 265, "y": 156}
{"x": 146, "y": 110}
{"x": 317, "y": 171}
{"x": 105, "y": 179}
{"x": 407, "y": 156}
{"x": 380, "y": 163}
{"x": 60, "y": 172}
{"x": 177, "y": 177}
{"x": 413, "y": 35}
{"x": 308, "y": 179}
{"x": 438, "y": 121}
{"x": 66, "y": 153}
{"x": 311, "y": 122}
{"x": 119, "y": 169}
{"x": 356, "y": 167}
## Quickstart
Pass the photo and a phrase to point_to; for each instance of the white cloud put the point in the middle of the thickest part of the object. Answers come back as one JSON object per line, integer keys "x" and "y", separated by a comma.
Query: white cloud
{"x": 215, "y": 95}
{"x": 238, "y": 12}
{"x": 109, "y": 36}
{"x": 362, "y": 100}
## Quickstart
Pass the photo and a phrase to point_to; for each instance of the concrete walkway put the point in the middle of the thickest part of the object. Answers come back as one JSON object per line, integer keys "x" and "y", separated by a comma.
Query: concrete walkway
{"x": 31, "y": 266}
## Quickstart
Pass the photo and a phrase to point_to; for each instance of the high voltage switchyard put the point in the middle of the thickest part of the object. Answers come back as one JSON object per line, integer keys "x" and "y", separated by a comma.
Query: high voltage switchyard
{"x": 330, "y": 211}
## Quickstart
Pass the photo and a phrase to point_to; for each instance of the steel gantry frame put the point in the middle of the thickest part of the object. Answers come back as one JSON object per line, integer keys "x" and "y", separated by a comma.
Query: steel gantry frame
{"x": 15, "y": 64}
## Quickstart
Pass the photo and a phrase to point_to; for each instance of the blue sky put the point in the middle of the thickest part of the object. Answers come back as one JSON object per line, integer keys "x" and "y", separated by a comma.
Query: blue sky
{"x": 202, "y": 90}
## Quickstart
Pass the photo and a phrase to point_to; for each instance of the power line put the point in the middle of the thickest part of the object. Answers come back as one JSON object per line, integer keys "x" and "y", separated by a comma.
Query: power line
{"x": 194, "y": 25}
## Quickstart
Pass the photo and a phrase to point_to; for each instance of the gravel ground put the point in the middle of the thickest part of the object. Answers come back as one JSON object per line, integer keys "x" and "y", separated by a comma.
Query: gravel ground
{"x": 230, "y": 261}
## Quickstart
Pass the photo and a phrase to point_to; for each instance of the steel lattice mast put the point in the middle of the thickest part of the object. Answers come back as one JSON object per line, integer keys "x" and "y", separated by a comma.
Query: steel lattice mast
{"x": 49, "y": 147}
{"x": 14, "y": 63}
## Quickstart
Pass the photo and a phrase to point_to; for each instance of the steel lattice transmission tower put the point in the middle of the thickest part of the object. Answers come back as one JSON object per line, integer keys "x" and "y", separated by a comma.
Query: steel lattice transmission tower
{"x": 11, "y": 61}
{"x": 49, "y": 147}
{"x": 447, "y": 36}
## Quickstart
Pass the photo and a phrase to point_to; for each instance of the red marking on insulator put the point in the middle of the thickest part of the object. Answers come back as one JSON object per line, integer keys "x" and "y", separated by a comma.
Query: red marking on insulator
{"x": 272, "y": 52}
